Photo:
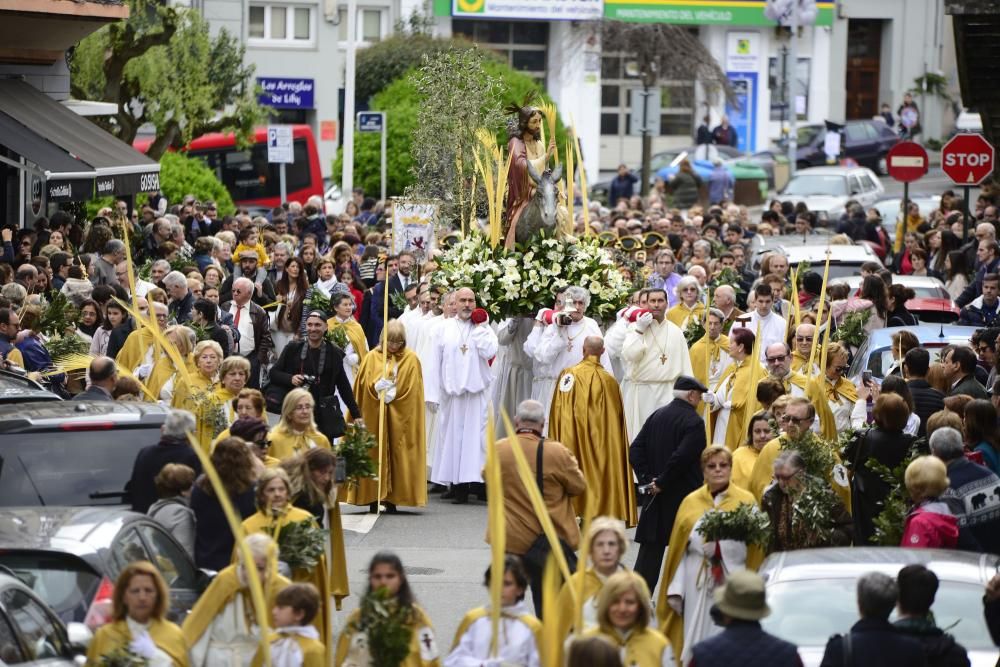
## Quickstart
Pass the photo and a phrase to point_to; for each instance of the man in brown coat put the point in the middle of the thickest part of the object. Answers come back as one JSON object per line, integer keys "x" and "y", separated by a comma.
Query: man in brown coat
{"x": 561, "y": 479}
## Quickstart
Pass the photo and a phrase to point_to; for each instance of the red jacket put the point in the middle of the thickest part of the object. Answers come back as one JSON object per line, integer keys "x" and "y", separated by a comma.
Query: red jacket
{"x": 930, "y": 525}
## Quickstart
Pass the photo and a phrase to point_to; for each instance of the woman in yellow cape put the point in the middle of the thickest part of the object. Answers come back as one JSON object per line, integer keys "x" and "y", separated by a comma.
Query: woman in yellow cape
{"x": 139, "y": 609}
{"x": 403, "y": 468}
{"x": 734, "y": 396}
{"x": 274, "y": 512}
{"x": 296, "y": 431}
{"x": 386, "y": 572}
{"x": 357, "y": 344}
{"x": 196, "y": 393}
{"x": 623, "y": 615}
{"x": 608, "y": 544}
{"x": 164, "y": 378}
{"x": 840, "y": 393}
{"x": 684, "y": 598}
{"x": 689, "y": 308}
{"x": 222, "y": 627}
{"x": 136, "y": 350}
{"x": 233, "y": 375}
{"x": 311, "y": 475}
{"x": 759, "y": 433}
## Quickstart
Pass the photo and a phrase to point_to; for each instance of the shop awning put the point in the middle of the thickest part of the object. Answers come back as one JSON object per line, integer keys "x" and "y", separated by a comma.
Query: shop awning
{"x": 77, "y": 159}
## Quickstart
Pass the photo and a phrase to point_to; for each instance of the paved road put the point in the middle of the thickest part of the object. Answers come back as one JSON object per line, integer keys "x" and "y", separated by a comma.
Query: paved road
{"x": 443, "y": 550}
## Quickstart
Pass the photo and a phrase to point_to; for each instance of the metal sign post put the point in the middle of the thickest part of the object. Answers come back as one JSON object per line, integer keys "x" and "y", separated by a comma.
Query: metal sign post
{"x": 374, "y": 121}
{"x": 279, "y": 150}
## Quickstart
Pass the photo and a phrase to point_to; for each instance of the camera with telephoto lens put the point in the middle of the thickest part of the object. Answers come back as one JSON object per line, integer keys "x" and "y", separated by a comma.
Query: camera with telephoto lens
{"x": 308, "y": 381}
{"x": 564, "y": 317}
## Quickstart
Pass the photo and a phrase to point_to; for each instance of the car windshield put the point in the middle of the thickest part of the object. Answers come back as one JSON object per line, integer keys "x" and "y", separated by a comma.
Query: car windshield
{"x": 808, "y": 133}
{"x": 838, "y": 270}
{"x": 813, "y": 184}
{"x": 71, "y": 468}
{"x": 880, "y": 360}
{"x": 63, "y": 582}
{"x": 808, "y": 613}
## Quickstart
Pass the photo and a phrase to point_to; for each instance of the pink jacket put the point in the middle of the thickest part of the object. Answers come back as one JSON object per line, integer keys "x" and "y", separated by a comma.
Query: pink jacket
{"x": 930, "y": 525}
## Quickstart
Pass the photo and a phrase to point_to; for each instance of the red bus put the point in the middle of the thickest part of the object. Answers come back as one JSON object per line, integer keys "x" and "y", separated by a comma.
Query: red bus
{"x": 251, "y": 180}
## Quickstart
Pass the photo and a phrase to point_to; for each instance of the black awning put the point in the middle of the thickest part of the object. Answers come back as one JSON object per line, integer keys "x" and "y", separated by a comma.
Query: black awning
{"x": 78, "y": 159}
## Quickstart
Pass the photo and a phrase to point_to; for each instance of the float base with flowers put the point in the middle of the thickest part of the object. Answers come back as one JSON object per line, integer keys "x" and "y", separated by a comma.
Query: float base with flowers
{"x": 520, "y": 281}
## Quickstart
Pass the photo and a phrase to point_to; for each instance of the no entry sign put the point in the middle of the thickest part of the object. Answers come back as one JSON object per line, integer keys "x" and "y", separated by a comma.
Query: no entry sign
{"x": 967, "y": 159}
{"x": 907, "y": 161}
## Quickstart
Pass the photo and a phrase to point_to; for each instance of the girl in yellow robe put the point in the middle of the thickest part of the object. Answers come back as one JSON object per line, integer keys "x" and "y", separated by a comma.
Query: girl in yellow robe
{"x": 386, "y": 571}
{"x": 759, "y": 433}
{"x": 139, "y": 610}
{"x": 623, "y": 614}
{"x": 296, "y": 430}
{"x": 689, "y": 308}
{"x": 196, "y": 393}
{"x": 840, "y": 393}
{"x": 734, "y": 396}
{"x": 403, "y": 468}
{"x": 274, "y": 512}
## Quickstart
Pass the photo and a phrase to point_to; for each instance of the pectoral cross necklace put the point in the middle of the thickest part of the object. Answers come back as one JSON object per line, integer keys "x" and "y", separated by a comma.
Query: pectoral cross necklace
{"x": 463, "y": 348}
{"x": 570, "y": 339}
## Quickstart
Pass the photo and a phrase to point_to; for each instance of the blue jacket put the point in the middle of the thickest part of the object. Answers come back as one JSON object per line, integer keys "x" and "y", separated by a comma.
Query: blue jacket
{"x": 975, "y": 288}
{"x": 874, "y": 643}
{"x": 744, "y": 643}
{"x": 978, "y": 314}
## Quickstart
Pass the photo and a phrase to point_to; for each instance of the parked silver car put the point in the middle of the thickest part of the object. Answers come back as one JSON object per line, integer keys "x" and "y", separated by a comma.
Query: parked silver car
{"x": 30, "y": 634}
{"x": 812, "y": 594}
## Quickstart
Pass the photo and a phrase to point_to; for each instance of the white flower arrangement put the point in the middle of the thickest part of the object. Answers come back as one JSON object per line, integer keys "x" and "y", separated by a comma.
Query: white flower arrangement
{"x": 512, "y": 283}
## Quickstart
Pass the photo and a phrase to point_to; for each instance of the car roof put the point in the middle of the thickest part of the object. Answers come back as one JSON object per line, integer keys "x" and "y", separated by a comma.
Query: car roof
{"x": 81, "y": 531}
{"x": 906, "y": 281}
{"x": 925, "y": 333}
{"x": 64, "y": 415}
{"x": 840, "y": 254}
{"x": 17, "y": 388}
{"x": 852, "y": 562}
{"x": 832, "y": 171}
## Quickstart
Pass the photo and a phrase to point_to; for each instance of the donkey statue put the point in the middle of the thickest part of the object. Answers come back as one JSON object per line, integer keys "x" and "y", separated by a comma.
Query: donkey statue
{"x": 542, "y": 211}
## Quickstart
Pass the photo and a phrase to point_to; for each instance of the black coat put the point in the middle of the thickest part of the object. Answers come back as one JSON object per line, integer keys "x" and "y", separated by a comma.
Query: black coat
{"x": 926, "y": 401}
{"x": 868, "y": 490}
{"x": 118, "y": 336}
{"x": 92, "y": 394}
{"x": 668, "y": 451}
{"x": 148, "y": 464}
{"x": 213, "y": 539}
{"x": 940, "y": 648}
{"x": 874, "y": 643}
{"x": 746, "y": 644}
{"x": 332, "y": 379}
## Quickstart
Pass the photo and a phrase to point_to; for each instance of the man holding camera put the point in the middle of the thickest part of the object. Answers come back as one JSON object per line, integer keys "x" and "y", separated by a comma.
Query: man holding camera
{"x": 317, "y": 365}
{"x": 456, "y": 387}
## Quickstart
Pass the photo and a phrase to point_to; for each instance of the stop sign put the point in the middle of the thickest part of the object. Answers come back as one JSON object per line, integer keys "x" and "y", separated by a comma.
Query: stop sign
{"x": 967, "y": 159}
{"x": 907, "y": 161}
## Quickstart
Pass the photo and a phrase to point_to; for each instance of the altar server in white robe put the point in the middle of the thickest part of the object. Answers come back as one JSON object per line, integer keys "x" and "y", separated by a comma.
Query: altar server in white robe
{"x": 442, "y": 309}
{"x": 655, "y": 355}
{"x": 458, "y": 384}
{"x": 513, "y": 368}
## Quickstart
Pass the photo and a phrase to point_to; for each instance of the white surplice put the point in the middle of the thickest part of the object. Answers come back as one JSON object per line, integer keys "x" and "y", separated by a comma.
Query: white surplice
{"x": 614, "y": 338}
{"x": 654, "y": 358}
{"x": 515, "y": 645}
{"x": 459, "y": 382}
{"x": 227, "y": 642}
{"x": 694, "y": 583}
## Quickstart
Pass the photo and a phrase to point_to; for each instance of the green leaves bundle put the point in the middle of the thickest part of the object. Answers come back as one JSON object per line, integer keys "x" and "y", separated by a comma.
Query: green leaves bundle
{"x": 389, "y": 627}
{"x": 123, "y": 657}
{"x": 58, "y": 316}
{"x": 355, "y": 448}
{"x": 852, "y": 329}
{"x": 337, "y": 336}
{"x": 316, "y": 300}
{"x": 743, "y": 524}
{"x": 813, "y": 510}
{"x": 62, "y": 346}
{"x": 301, "y": 544}
{"x": 816, "y": 453}
{"x": 694, "y": 331}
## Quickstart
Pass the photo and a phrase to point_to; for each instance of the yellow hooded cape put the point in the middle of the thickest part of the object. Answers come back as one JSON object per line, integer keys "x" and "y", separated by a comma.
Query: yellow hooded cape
{"x": 167, "y": 637}
{"x": 763, "y": 472}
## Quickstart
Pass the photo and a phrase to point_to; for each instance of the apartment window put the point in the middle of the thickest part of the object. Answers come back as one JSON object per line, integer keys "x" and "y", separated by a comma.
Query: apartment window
{"x": 373, "y": 25}
{"x": 523, "y": 44}
{"x": 282, "y": 25}
{"x": 800, "y": 84}
{"x": 676, "y": 100}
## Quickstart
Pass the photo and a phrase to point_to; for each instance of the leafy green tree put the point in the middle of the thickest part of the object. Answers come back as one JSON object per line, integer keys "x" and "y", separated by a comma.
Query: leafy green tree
{"x": 182, "y": 175}
{"x": 161, "y": 66}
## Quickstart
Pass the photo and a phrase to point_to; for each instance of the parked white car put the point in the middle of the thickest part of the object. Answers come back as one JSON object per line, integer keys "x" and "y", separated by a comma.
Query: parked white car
{"x": 826, "y": 190}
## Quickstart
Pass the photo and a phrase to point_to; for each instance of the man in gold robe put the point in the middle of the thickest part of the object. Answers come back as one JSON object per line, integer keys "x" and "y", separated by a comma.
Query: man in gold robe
{"x": 588, "y": 418}
{"x": 403, "y": 466}
{"x": 804, "y": 334}
{"x": 710, "y": 355}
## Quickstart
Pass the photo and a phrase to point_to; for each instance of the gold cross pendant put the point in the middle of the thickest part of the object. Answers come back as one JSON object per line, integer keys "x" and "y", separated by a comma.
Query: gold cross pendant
{"x": 663, "y": 358}
{"x": 464, "y": 348}
{"x": 569, "y": 347}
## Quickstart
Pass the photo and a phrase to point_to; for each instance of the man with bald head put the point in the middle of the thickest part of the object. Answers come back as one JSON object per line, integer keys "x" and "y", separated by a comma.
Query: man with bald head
{"x": 804, "y": 335}
{"x": 103, "y": 374}
{"x": 457, "y": 388}
{"x": 587, "y": 416}
{"x": 250, "y": 321}
{"x": 725, "y": 300}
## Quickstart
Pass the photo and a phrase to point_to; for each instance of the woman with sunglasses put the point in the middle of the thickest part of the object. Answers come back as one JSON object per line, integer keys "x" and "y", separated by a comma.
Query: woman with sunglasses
{"x": 689, "y": 307}
{"x": 841, "y": 394}
{"x": 694, "y": 567}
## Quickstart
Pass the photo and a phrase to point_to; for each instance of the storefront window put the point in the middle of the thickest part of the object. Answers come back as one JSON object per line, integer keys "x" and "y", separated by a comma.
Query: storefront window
{"x": 522, "y": 44}
{"x": 800, "y": 84}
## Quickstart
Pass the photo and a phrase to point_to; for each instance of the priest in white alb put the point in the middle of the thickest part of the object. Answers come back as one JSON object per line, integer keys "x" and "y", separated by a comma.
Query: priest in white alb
{"x": 441, "y": 309}
{"x": 655, "y": 355}
{"x": 458, "y": 383}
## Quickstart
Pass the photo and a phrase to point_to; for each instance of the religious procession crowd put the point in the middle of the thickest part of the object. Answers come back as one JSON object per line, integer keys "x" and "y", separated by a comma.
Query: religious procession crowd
{"x": 713, "y": 414}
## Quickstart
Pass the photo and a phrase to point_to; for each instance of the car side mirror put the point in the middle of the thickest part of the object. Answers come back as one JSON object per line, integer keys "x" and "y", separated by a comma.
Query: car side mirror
{"x": 79, "y": 636}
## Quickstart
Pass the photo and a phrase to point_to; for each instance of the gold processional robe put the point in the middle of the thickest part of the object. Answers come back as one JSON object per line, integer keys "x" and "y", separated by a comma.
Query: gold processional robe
{"x": 588, "y": 418}
{"x": 355, "y": 334}
{"x": 352, "y": 647}
{"x": 706, "y": 356}
{"x": 286, "y": 443}
{"x": 137, "y": 350}
{"x": 260, "y": 522}
{"x": 763, "y": 471}
{"x": 197, "y": 396}
{"x": 737, "y": 385}
{"x": 566, "y": 620}
{"x": 682, "y": 316}
{"x": 163, "y": 370}
{"x": 744, "y": 459}
{"x": 403, "y": 468}
{"x": 692, "y": 508}
{"x": 117, "y": 635}
{"x": 642, "y": 647}
{"x": 800, "y": 363}
{"x": 224, "y": 588}
{"x": 840, "y": 399}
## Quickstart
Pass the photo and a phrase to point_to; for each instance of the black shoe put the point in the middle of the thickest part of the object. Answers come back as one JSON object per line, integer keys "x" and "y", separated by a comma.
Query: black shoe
{"x": 389, "y": 508}
{"x": 437, "y": 488}
{"x": 450, "y": 493}
{"x": 461, "y": 497}
{"x": 479, "y": 491}
{"x": 373, "y": 508}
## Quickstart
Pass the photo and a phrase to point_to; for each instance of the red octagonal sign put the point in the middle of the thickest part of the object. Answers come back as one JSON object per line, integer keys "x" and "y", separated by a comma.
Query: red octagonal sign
{"x": 967, "y": 159}
{"x": 907, "y": 161}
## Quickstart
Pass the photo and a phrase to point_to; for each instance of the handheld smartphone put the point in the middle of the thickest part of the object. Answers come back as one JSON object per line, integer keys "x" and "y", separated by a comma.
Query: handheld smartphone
{"x": 340, "y": 472}
{"x": 866, "y": 377}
